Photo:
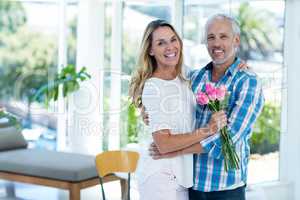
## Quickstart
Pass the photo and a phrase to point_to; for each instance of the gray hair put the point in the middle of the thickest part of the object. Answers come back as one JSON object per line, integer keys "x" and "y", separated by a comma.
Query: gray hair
{"x": 234, "y": 24}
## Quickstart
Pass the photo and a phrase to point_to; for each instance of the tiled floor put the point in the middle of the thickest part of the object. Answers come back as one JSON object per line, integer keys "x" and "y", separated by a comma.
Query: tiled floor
{"x": 35, "y": 192}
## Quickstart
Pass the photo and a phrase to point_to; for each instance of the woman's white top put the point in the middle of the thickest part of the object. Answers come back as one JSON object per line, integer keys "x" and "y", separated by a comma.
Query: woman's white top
{"x": 170, "y": 104}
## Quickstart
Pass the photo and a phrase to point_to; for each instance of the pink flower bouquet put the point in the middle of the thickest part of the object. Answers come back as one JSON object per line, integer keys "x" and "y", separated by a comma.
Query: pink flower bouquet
{"x": 216, "y": 99}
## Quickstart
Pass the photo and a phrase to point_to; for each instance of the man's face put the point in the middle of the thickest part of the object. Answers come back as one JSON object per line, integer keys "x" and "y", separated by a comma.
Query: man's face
{"x": 221, "y": 41}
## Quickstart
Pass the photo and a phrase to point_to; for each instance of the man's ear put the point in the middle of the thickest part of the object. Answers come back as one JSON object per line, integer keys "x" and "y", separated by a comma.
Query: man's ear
{"x": 237, "y": 40}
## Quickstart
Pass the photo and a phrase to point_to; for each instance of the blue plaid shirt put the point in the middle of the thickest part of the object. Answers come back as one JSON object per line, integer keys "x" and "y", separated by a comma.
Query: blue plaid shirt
{"x": 245, "y": 104}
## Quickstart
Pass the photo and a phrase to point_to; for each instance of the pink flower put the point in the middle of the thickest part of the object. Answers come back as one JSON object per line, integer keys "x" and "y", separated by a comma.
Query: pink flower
{"x": 221, "y": 92}
{"x": 209, "y": 88}
{"x": 202, "y": 98}
{"x": 211, "y": 91}
{"x": 213, "y": 94}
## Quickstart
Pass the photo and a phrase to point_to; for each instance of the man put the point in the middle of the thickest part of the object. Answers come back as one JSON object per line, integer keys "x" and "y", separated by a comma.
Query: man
{"x": 211, "y": 180}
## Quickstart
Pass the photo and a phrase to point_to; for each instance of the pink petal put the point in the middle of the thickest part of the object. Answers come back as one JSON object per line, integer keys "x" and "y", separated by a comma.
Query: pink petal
{"x": 201, "y": 98}
{"x": 209, "y": 88}
{"x": 221, "y": 92}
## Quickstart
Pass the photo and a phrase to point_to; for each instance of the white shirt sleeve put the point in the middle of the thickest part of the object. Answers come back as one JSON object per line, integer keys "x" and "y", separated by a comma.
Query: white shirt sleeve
{"x": 158, "y": 112}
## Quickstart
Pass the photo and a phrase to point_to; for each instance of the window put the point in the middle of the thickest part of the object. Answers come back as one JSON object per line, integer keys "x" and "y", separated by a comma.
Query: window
{"x": 28, "y": 59}
{"x": 261, "y": 46}
{"x": 134, "y": 18}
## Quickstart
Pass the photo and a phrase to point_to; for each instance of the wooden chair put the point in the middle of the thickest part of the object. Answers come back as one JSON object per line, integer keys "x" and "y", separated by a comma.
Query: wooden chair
{"x": 116, "y": 161}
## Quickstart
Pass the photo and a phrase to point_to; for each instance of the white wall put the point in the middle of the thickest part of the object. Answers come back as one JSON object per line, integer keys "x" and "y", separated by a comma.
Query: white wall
{"x": 86, "y": 106}
{"x": 116, "y": 71}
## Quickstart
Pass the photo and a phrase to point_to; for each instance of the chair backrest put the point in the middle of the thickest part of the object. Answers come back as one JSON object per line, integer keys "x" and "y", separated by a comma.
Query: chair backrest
{"x": 116, "y": 161}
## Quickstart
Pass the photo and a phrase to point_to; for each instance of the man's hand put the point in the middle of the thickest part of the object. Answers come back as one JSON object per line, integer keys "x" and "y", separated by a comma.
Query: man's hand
{"x": 145, "y": 115}
{"x": 217, "y": 121}
{"x": 156, "y": 155}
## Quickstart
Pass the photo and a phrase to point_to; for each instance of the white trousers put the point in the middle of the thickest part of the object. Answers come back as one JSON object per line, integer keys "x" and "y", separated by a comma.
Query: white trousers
{"x": 162, "y": 186}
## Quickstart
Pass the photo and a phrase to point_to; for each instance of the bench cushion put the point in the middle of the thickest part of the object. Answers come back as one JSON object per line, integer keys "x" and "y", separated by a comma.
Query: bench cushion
{"x": 4, "y": 122}
{"x": 11, "y": 138}
{"x": 48, "y": 164}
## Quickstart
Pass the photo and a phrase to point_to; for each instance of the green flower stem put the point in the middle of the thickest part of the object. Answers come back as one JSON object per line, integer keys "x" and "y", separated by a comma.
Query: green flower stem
{"x": 231, "y": 159}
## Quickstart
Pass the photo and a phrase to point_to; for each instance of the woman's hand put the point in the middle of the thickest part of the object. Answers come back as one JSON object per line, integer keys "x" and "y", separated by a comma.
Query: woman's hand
{"x": 144, "y": 115}
{"x": 217, "y": 121}
{"x": 155, "y": 154}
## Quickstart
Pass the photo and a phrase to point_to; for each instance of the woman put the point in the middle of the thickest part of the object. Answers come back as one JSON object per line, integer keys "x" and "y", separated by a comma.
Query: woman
{"x": 159, "y": 85}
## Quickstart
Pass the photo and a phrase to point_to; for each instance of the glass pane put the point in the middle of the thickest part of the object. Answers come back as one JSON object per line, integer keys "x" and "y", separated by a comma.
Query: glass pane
{"x": 195, "y": 16}
{"x": 72, "y": 16}
{"x": 262, "y": 48}
{"x": 28, "y": 58}
{"x": 137, "y": 14}
{"x": 262, "y": 24}
{"x": 107, "y": 76}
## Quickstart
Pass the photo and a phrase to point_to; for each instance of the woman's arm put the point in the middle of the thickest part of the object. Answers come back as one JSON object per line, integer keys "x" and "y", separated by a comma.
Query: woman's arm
{"x": 155, "y": 154}
{"x": 167, "y": 142}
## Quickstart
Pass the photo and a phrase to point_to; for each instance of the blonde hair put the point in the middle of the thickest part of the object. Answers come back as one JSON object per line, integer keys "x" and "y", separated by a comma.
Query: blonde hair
{"x": 147, "y": 64}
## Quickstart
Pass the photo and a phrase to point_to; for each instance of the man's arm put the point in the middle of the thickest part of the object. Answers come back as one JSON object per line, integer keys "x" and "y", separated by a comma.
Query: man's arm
{"x": 246, "y": 110}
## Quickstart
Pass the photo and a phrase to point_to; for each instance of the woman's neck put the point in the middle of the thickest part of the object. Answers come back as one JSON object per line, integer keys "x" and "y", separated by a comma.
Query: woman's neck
{"x": 165, "y": 73}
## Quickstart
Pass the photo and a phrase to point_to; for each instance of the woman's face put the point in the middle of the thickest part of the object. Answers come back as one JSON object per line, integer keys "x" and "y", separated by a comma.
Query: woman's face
{"x": 165, "y": 47}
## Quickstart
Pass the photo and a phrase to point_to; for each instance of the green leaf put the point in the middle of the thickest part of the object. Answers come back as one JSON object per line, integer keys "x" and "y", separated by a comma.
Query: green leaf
{"x": 68, "y": 79}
